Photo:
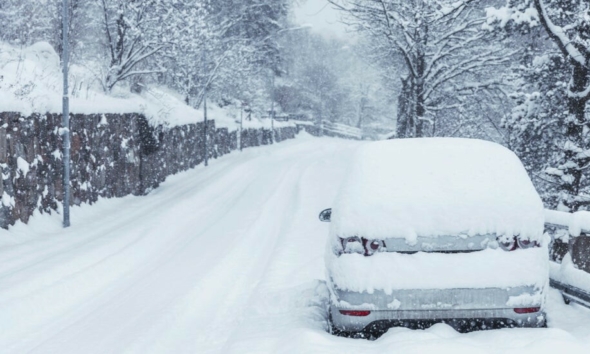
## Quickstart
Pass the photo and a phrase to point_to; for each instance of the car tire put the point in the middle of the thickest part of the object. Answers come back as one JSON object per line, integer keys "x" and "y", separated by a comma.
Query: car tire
{"x": 566, "y": 300}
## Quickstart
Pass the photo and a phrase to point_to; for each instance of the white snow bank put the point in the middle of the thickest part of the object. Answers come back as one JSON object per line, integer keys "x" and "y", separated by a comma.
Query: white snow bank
{"x": 575, "y": 222}
{"x": 567, "y": 273}
{"x": 397, "y": 271}
{"x": 31, "y": 82}
{"x": 439, "y": 186}
{"x": 29, "y": 78}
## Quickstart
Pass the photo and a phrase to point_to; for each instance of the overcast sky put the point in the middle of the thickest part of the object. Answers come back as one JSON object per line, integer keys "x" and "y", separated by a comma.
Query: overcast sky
{"x": 323, "y": 17}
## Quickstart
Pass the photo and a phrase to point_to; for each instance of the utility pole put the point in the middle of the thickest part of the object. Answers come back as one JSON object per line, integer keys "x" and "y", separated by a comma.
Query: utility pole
{"x": 66, "y": 119}
{"x": 321, "y": 115}
{"x": 241, "y": 126}
{"x": 205, "y": 128}
{"x": 272, "y": 110}
{"x": 205, "y": 108}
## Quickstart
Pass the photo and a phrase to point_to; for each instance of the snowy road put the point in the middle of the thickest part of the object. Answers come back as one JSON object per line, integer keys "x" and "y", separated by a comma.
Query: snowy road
{"x": 227, "y": 259}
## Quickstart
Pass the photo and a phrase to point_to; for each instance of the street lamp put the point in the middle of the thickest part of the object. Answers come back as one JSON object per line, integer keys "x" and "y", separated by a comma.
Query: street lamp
{"x": 206, "y": 153}
{"x": 243, "y": 106}
{"x": 272, "y": 99}
{"x": 66, "y": 119}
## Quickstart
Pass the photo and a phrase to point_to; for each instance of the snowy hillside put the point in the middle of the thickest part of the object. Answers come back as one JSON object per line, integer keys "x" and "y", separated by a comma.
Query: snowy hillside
{"x": 31, "y": 82}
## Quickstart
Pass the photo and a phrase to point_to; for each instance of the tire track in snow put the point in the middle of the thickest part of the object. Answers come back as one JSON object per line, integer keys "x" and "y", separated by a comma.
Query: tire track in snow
{"x": 96, "y": 256}
{"x": 224, "y": 286}
{"x": 86, "y": 321}
{"x": 289, "y": 293}
{"x": 8, "y": 255}
{"x": 211, "y": 189}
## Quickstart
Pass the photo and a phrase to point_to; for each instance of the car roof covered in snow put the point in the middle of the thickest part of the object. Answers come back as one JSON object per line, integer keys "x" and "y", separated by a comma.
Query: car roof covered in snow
{"x": 436, "y": 186}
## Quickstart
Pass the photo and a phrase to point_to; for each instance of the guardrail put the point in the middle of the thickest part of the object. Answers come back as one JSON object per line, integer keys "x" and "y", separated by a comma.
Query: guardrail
{"x": 570, "y": 254}
{"x": 342, "y": 130}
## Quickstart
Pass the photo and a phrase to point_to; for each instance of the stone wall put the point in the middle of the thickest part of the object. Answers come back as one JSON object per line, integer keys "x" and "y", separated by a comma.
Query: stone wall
{"x": 113, "y": 155}
{"x": 579, "y": 249}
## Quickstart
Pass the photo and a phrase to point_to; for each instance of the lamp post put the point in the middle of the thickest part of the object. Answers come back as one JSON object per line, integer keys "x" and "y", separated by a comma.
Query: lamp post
{"x": 204, "y": 63}
{"x": 66, "y": 119}
{"x": 240, "y": 143}
{"x": 272, "y": 111}
{"x": 205, "y": 127}
{"x": 239, "y": 138}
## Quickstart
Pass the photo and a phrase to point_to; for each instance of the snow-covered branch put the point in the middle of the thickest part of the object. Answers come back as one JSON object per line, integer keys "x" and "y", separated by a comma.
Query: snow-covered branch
{"x": 559, "y": 35}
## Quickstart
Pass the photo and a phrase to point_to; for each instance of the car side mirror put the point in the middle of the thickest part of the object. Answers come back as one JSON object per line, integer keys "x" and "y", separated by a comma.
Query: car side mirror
{"x": 326, "y": 215}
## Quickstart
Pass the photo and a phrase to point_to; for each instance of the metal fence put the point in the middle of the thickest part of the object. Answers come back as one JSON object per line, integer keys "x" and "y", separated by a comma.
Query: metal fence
{"x": 329, "y": 129}
{"x": 342, "y": 130}
{"x": 570, "y": 254}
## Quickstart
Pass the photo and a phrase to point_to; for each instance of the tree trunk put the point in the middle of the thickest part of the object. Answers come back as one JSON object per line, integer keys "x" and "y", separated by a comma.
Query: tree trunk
{"x": 422, "y": 34}
{"x": 572, "y": 163}
{"x": 575, "y": 136}
{"x": 404, "y": 109}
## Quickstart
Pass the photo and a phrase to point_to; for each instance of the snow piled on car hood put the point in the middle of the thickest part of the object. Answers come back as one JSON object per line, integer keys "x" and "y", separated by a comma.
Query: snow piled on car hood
{"x": 436, "y": 186}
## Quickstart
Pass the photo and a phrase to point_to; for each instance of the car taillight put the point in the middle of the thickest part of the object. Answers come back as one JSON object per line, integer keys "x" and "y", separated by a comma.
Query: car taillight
{"x": 507, "y": 244}
{"x": 526, "y": 243}
{"x": 358, "y": 313}
{"x": 512, "y": 243}
{"x": 527, "y": 310}
{"x": 372, "y": 246}
{"x": 361, "y": 245}
{"x": 375, "y": 245}
{"x": 352, "y": 245}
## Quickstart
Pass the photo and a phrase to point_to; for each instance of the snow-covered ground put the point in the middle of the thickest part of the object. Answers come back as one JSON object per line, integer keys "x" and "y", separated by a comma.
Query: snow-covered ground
{"x": 223, "y": 259}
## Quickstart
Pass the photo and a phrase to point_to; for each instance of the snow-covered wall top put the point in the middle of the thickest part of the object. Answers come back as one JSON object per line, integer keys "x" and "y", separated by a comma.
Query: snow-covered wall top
{"x": 31, "y": 82}
{"x": 438, "y": 186}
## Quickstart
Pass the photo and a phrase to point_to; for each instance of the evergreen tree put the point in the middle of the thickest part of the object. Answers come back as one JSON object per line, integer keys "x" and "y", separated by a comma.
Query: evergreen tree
{"x": 563, "y": 93}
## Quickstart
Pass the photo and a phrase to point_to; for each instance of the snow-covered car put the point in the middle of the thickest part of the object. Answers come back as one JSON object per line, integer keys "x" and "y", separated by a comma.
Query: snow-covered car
{"x": 436, "y": 230}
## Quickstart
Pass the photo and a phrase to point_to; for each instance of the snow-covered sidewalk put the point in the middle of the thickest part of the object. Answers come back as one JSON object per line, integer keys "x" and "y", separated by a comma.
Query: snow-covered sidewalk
{"x": 224, "y": 259}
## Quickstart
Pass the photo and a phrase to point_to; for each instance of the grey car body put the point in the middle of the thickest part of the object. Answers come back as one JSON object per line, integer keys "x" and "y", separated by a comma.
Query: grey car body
{"x": 466, "y": 307}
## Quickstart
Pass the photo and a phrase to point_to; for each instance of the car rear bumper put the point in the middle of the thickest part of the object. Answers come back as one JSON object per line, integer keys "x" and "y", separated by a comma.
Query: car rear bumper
{"x": 485, "y": 318}
{"x": 494, "y": 306}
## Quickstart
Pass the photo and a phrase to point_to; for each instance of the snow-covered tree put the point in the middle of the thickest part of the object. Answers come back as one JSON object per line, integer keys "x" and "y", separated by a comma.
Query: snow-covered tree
{"x": 445, "y": 56}
{"x": 23, "y": 22}
{"x": 135, "y": 31}
{"x": 233, "y": 49}
{"x": 563, "y": 81}
{"x": 254, "y": 23}
{"x": 184, "y": 61}
{"x": 28, "y": 21}
{"x": 325, "y": 79}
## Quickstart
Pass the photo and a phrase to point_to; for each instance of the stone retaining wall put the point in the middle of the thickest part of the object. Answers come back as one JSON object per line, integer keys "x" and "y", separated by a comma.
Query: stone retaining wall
{"x": 113, "y": 155}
